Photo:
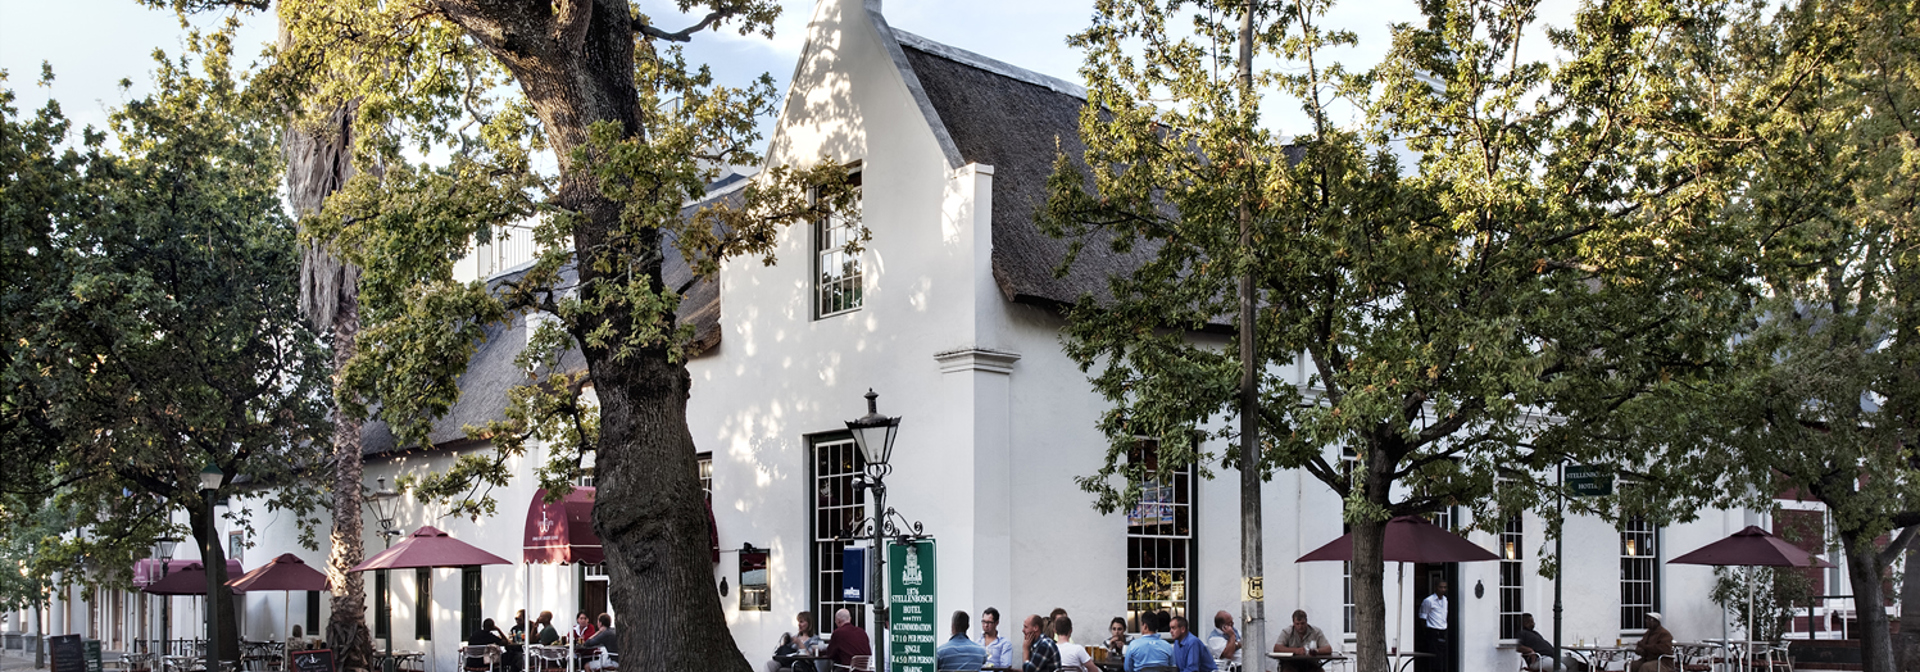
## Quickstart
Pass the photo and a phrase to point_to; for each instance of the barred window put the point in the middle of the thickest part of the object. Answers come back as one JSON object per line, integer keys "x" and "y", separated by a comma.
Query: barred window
{"x": 838, "y": 276}
{"x": 838, "y": 504}
{"x": 469, "y": 601}
{"x": 1512, "y": 577}
{"x": 1160, "y": 542}
{"x": 383, "y": 611}
{"x": 1639, "y": 572}
{"x": 706, "y": 473}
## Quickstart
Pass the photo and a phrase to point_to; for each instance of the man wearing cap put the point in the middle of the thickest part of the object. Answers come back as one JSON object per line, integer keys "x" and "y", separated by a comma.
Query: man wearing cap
{"x": 1655, "y": 643}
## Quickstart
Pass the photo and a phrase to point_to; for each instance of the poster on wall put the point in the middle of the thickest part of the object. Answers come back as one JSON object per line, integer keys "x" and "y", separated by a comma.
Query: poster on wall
{"x": 915, "y": 632}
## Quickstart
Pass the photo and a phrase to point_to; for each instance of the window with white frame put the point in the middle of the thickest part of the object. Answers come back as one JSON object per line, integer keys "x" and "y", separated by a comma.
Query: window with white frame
{"x": 1349, "y": 460}
{"x": 1160, "y": 540}
{"x": 838, "y": 275}
{"x": 1639, "y": 572}
{"x": 706, "y": 473}
{"x": 1512, "y": 577}
{"x": 838, "y": 505}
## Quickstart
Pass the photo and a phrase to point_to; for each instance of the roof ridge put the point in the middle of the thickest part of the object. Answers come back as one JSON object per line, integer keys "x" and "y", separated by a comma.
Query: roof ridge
{"x": 997, "y": 67}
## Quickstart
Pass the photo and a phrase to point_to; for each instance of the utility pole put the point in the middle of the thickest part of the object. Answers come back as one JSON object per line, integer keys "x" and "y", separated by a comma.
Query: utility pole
{"x": 1253, "y": 614}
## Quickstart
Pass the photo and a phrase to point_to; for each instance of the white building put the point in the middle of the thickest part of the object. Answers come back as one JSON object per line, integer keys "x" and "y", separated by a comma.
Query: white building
{"x": 950, "y": 314}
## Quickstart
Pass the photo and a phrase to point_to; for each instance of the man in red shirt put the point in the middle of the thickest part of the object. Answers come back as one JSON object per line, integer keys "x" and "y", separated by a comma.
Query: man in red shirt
{"x": 848, "y": 640}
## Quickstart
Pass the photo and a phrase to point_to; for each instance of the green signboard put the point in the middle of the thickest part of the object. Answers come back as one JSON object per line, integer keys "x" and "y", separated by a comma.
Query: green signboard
{"x": 915, "y": 631}
{"x": 1589, "y": 480}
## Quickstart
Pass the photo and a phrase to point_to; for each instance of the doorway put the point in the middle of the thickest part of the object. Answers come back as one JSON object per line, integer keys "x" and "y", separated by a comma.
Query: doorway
{"x": 1425, "y": 577}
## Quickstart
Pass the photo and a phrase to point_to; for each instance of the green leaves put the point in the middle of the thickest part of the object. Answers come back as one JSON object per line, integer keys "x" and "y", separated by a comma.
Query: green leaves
{"x": 151, "y": 326}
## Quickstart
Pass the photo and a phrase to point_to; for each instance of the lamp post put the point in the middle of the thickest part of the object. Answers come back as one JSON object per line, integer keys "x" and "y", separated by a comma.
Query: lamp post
{"x": 163, "y": 549}
{"x": 384, "y": 502}
{"x": 210, "y": 479}
{"x": 873, "y": 433}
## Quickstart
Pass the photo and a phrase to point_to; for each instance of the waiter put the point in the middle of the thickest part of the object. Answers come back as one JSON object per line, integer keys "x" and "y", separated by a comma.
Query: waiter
{"x": 1433, "y": 614}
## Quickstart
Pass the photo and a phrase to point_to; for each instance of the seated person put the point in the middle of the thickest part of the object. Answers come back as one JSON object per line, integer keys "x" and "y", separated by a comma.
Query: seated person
{"x": 1302, "y": 639}
{"x": 1655, "y": 643}
{"x": 960, "y": 653}
{"x": 606, "y": 645}
{"x": 1536, "y": 653}
{"x": 1148, "y": 652}
{"x": 489, "y": 634}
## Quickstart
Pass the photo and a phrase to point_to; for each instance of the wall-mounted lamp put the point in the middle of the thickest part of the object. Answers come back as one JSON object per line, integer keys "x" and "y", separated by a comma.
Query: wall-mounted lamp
{"x": 723, "y": 586}
{"x": 1479, "y": 589}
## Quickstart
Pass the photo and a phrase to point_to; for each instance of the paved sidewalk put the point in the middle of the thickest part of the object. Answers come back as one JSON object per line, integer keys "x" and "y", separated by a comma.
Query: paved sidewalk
{"x": 12, "y": 661}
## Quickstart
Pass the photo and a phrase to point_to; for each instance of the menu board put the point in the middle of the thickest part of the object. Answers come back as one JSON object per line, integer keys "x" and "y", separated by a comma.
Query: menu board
{"x": 318, "y": 660}
{"x": 69, "y": 655}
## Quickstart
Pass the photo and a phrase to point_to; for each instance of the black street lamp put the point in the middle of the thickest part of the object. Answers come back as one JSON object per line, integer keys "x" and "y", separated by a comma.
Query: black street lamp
{"x": 385, "y": 503}
{"x": 163, "y": 549}
{"x": 874, "y": 433}
{"x": 210, "y": 479}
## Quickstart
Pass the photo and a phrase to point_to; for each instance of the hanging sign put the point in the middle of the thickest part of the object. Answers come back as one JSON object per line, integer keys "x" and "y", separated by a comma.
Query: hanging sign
{"x": 853, "y": 574}
{"x": 914, "y": 633}
{"x": 1589, "y": 480}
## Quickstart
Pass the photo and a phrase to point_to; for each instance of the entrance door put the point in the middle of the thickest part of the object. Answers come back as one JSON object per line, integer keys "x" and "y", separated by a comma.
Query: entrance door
{"x": 1425, "y": 577}
{"x": 593, "y": 591}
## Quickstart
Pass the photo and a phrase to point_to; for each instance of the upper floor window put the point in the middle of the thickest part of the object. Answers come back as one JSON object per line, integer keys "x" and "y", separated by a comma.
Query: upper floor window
{"x": 838, "y": 276}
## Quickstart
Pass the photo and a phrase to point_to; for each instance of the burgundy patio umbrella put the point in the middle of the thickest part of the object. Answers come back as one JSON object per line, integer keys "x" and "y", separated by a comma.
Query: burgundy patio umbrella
{"x": 1408, "y": 539}
{"x": 1751, "y": 547}
{"x": 188, "y": 580}
{"x": 286, "y": 573}
{"x": 429, "y": 547}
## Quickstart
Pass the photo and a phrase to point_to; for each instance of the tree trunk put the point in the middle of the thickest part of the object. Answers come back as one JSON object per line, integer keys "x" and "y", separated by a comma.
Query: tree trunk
{"x": 1369, "y": 568}
{"x": 1864, "y": 571}
{"x": 213, "y": 557}
{"x": 576, "y": 66}
{"x": 649, "y": 515}
{"x": 347, "y": 632}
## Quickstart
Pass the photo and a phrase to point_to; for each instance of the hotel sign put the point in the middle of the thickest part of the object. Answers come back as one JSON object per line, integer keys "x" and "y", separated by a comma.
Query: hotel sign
{"x": 915, "y": 630}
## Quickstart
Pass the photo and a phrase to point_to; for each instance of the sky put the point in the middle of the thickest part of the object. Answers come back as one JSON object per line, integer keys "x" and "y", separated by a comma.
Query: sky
{"x": 94, "y": 44}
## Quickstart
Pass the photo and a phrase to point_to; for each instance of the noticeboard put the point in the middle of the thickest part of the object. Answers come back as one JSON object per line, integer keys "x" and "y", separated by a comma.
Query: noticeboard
{"x": 69, "y": 655}
{"x": 853, "y": 575}
{"x": 1589, "y": 480}
{"x": 318, "y": 660}
{"x": 91, "y": 653}
{"x": 911, "y": 606}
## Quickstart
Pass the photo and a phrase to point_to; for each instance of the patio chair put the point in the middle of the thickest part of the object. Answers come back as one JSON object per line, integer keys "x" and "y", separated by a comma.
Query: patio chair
{"x": 858, "y": 664}
{"x": 603, "y": 660}
{"x": 549, "y": 657}
{"x": 482, "y": 658}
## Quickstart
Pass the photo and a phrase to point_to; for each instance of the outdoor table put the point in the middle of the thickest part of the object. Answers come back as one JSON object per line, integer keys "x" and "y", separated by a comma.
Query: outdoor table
{"x": 1742, "y": 652}
{"x": 1600, "y": 657}
{"x": 813, "y": 663}
{"x": 1326, "y": 658}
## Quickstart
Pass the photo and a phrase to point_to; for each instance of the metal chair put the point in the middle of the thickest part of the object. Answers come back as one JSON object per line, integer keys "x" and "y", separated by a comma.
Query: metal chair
{"x": 482, "y": 658}
{"x": 858, "y": 664}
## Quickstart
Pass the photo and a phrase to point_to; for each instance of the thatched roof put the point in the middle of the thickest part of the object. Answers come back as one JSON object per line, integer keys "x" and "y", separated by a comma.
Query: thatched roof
{"x": 1016, "y": 121}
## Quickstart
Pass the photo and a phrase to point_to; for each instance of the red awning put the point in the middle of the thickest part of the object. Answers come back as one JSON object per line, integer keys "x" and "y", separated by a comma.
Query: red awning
{"x": 561, "y": 532}
{"x": 146, "y": 571}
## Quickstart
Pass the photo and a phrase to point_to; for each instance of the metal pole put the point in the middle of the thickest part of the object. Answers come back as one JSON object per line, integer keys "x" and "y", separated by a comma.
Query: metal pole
{"x": 386, "y": 604}
{"x": 1559, "y": 555}
{"x": 879, "y": 575}
{"x": 213, "y": 589}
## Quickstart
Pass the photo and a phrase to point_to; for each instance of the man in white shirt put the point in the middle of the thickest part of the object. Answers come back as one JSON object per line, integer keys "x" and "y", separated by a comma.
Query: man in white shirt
{"x": 1224, "y": 641}
{"x": 1433, "y": 614}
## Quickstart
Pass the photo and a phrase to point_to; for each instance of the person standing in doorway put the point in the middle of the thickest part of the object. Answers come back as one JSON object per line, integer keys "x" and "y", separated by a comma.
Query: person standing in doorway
{"x": 1433, "y": 614}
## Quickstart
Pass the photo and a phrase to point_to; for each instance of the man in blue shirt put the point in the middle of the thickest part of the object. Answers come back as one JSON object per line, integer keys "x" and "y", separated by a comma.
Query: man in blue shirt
{"x": 999, "y": 649}
{"x": 959, "y": 654}
{"x": 1147, "y": 653}
{"x": 1189, "y": 653}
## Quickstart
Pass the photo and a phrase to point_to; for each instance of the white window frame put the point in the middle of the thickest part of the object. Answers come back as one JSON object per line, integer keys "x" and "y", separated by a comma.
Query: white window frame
{"x": 1162, "y": 523}
{"x": 846, "y": 292}
{"x": 1639, "y": 572}
{"x": 835, "y": 503}
{"x": 1513, "y": 576}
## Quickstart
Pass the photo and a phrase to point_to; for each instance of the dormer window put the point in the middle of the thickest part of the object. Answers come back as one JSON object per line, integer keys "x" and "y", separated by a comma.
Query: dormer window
{"x": 838, "y": 276}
